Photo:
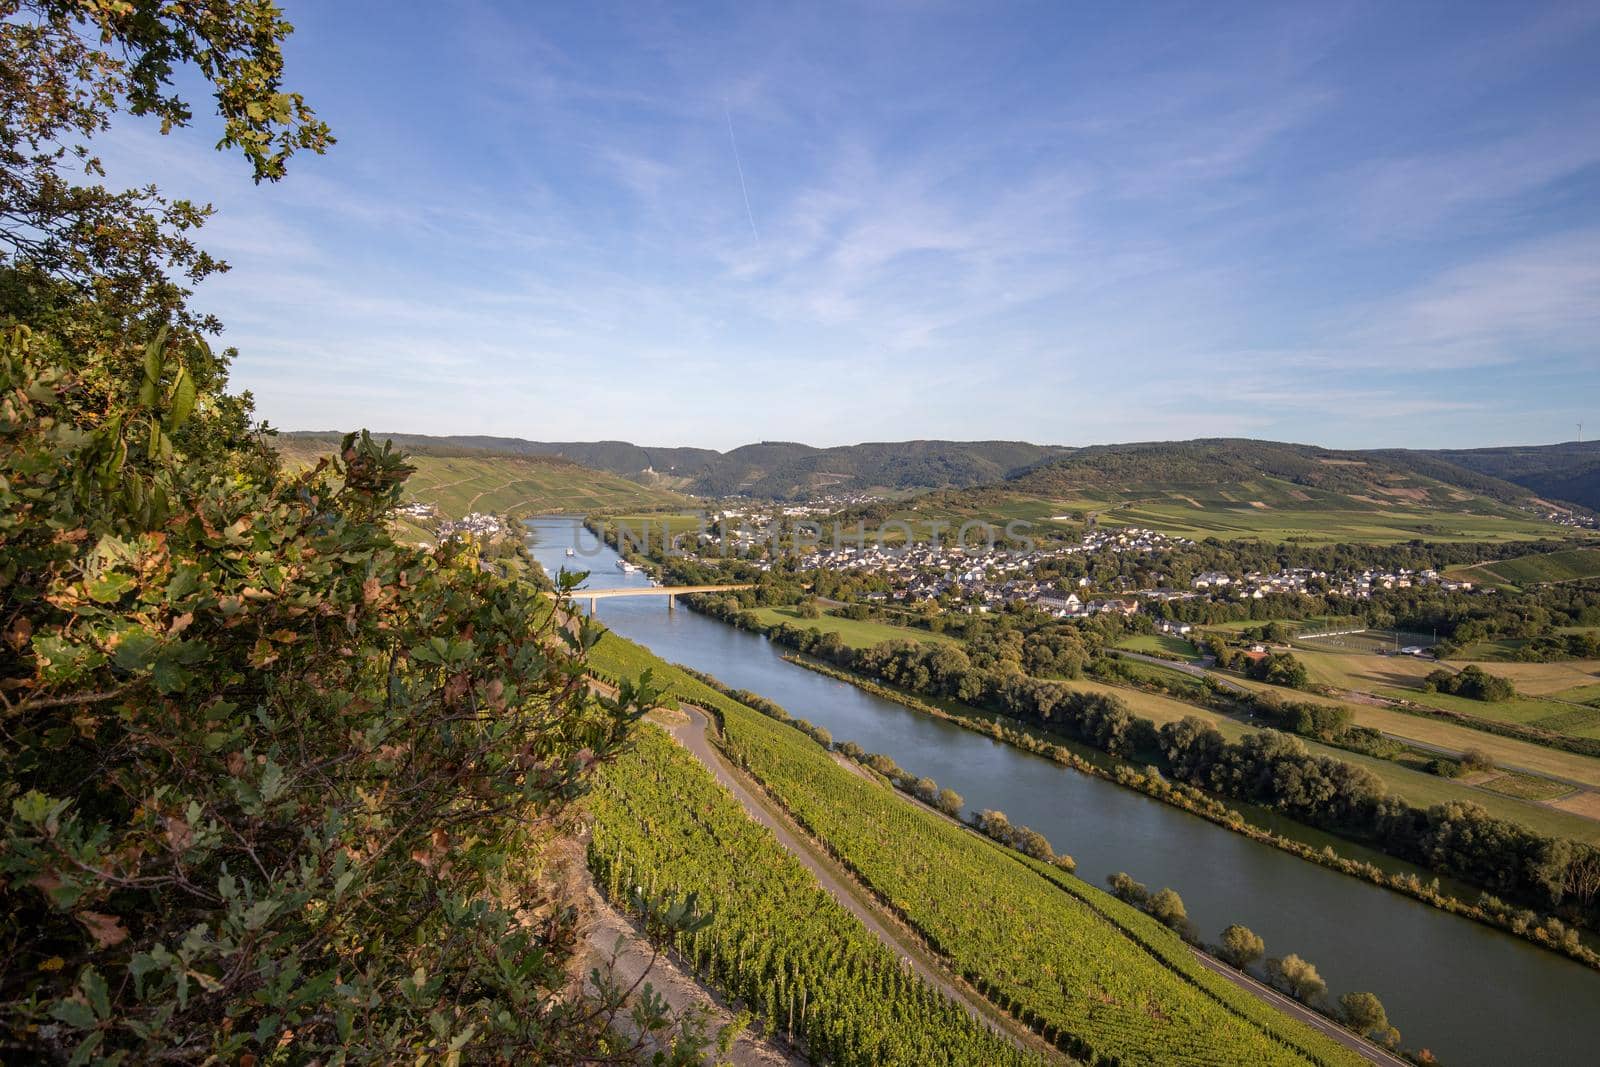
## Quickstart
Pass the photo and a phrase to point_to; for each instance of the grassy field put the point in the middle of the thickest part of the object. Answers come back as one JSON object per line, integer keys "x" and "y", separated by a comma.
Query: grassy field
{"x": 1418, "y": 787}
{"x": 1564, "y": 566}
{"x": 1549, "y": 715}
{"x": 853, "y": 632}
{"x": 1158, "y": 645}
{"x": 639, "y": 524}
{"x": 1262, "y": 512}
{"x": 509, "y": 485}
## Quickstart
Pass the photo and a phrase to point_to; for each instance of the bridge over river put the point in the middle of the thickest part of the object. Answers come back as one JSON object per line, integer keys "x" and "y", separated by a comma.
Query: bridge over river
{"x": 669, "y": 591}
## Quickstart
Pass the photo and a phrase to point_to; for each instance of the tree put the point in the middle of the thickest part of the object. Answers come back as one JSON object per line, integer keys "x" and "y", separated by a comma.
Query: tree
{"x": 1364, "y": 1013}
{"x": 1241, "y": 946}
{"x": 273, "y": 784}
{"x": 1167, "y": 908}
{"x": 951, "y": 803}
{"x": 1125, "y": 888}
{"x": 1297, "y": 977}
{"x": 71, "y": 65}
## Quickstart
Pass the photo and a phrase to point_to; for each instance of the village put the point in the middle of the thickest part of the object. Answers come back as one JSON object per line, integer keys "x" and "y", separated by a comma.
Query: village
{"x": 982, "y": 577}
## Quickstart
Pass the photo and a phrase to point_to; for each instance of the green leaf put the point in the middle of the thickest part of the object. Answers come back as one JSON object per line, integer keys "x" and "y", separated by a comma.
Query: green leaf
{"x": 109, "y": 587}
{"x": 259, "y": 913}
{"x": 183, "y": 396}
{"x": 32, "y": 807}
{"x": 75, "y": 1013}
{"x": 94, "y": 987}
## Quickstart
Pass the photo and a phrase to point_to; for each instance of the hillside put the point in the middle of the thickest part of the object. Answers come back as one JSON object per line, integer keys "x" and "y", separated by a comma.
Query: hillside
{"x": 1234, "y": 488}
{"x": 475, "y": 480}
{"x": 1568, "y": 471}
{"x": 1570, "y": 565}
{"x": 780, "y": 469}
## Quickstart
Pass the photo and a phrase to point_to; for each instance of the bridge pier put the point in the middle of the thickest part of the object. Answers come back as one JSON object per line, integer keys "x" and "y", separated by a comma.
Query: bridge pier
{"x": 591, "y": 607}
{"x": 672, "y": 601}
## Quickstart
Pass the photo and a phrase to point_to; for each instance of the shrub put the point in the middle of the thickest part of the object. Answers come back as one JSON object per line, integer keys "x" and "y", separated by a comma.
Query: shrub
{"x": 1241, "y": 946}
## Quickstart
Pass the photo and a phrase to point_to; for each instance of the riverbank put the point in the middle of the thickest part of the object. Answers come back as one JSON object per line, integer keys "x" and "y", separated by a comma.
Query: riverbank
{"x": 1132, "y": 967}
{"x": 1466, "y": 990}
{"x": 1198, "y": 802}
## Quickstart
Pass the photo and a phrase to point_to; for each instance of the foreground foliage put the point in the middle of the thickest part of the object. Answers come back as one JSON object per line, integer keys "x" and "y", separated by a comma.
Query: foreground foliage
{"x": 270, "y": 781}
{"x": 271, "y": 785}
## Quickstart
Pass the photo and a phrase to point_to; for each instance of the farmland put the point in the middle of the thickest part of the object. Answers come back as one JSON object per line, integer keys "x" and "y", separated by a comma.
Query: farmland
{"x": 1159, "y": 645}
{"x": 1100, "y": 978}
{"x": 1185, "y": 511}
{"x": 777, "y": 940}
{"x": 853, "y": 632}
{"x": 506, "y": 485}
{"x": 1419, "y": 787}
{"x": 1564, "y": 566}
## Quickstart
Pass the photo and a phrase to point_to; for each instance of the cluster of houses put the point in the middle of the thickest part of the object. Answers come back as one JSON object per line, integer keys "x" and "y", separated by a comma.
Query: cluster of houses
{"x": 1256, "y": 585}
{"x": 1129, "y": 539}
{"x": 477, "y": 523}
{"x": 416, "y": 509}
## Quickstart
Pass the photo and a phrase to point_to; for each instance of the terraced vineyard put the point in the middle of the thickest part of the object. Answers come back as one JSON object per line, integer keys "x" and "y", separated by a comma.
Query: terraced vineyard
{"x": 1564, "y": 566}
{"x": 1092, "y": 974}
{"x": 506, "y": 485}
{"x": 778, "y": 941}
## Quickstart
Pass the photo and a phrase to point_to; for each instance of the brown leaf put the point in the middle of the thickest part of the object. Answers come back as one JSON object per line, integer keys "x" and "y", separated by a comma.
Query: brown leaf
{"x": 179, "y": 835}
{"x": 180, "y": 624}
{"x": 371, "y": 589}
{"x": 20, "y": 633}
{"x": 107, "y": 930}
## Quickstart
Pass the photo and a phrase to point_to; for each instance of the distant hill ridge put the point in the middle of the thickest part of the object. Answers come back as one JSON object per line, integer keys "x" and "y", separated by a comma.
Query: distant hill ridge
{"x": 1304, "y": 473}
{"x": 779, "y": 469}
{"x": 1568, "y": 471}
{"x": 1518, "y": 476}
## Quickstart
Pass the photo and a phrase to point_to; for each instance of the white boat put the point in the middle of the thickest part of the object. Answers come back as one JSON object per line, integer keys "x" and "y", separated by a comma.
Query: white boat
{"x": 626, "y": 567}
{"x": 571, "y": 553}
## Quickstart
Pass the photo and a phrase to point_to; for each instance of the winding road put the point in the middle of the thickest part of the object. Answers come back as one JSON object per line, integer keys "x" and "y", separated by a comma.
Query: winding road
{"x": 693, "y": 734}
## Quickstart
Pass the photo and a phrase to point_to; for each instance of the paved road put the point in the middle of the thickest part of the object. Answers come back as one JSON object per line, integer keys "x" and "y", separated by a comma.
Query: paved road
{"x": 1290, "y": 1006}
{"x": 692, "y": 733}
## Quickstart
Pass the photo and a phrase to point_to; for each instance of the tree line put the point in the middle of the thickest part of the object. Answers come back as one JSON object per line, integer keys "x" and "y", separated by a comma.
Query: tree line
{"x": 1269, "y": 768}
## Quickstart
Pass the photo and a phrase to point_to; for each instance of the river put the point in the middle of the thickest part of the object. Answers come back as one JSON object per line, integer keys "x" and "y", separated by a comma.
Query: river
{"x": 1469, "y": 993}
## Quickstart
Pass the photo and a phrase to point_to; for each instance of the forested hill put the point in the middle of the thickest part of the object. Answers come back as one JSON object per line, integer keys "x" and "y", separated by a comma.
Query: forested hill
{"x": 782, "y": 469}
{"x": 1267, "y": 473}
{"x": 1568, "y": 471}
{"x": 1302, "y": 474}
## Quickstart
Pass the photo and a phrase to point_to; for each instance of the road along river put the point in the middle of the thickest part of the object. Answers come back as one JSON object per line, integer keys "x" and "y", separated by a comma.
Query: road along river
{"x": 1470, "y": 993}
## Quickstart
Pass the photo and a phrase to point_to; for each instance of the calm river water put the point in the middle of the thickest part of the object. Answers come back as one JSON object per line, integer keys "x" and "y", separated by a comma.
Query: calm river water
{"x": 1469, "y": 993}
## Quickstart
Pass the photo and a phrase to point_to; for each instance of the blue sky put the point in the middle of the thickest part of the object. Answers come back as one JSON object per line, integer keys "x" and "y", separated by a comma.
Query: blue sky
{"x": 1348, "y": 224}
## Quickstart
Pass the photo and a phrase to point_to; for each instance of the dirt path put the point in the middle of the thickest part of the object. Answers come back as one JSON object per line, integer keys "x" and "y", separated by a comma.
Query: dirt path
{"x": 1292, "y": 1007}
{"x": 692, "y": 733}
{"x": 1356, "y": 697}
{"x": 613, "y": 941}
{"x": 691, "y": 729}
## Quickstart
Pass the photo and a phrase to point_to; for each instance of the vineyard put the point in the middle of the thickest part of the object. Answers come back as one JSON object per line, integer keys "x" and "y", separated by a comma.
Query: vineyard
{"x": 1100, "y": 979}
{"x": 778, "y": 942}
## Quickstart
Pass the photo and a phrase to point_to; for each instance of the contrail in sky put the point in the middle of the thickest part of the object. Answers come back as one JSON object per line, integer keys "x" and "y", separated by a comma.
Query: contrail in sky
{"x": 742, "y": 187}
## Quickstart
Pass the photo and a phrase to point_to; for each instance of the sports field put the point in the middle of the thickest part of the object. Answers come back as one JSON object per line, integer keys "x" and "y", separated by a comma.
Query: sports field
{"x": 854, "y": 632}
